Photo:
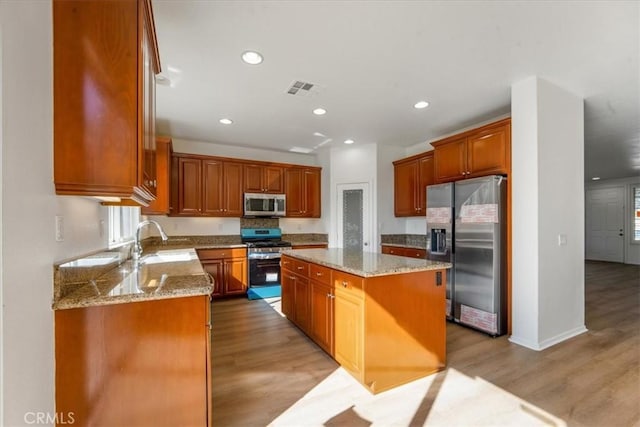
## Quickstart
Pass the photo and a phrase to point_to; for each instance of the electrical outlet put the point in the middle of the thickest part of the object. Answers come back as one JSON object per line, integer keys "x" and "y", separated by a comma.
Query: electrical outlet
{"x": 101, "y": 228}
{"x": 59, "y": 228}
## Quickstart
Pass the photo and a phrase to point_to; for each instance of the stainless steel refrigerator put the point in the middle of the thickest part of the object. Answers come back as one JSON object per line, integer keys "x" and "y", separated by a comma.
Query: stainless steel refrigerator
{"x": 475, "y": 242}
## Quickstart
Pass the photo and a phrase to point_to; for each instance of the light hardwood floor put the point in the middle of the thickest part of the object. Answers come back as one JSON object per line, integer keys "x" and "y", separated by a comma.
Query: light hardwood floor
{"x": 266, "y": 371}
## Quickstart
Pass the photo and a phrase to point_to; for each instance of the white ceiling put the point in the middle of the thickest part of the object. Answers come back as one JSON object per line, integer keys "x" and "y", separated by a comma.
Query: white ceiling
{"x": 372, "y": 60}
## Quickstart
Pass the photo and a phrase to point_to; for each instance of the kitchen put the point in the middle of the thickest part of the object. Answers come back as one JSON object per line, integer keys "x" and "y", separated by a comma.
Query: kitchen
{"x": 27, "y": 314}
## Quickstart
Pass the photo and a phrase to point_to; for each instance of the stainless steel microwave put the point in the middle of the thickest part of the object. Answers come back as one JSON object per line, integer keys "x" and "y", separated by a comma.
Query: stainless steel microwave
{"x": 259, "y": 204}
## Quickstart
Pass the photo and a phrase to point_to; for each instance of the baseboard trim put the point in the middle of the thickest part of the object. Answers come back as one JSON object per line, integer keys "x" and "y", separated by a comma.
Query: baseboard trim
{"x": 539, "y": 346}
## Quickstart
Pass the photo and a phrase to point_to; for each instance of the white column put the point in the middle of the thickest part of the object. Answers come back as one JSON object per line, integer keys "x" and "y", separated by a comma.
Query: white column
{"x": 548, "y": 214}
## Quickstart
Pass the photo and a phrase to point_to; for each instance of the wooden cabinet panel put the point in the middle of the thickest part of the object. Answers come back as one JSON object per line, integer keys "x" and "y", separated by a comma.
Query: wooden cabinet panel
{"x": 478, "y": 152}
{"x": 142, "y": 363}
{"x": 489, "y": 152}
{"x": 105, "y": 59}
{"x": 206, "y": 186}
{"x": 321, "y": 302}
{"x": 212, "y": 191}
{"x": 232, "y": 182}
{"x": 303, "y": 191}
{"x": 347, "y": 282}
{"x": 349, "y": 335}
{"x": 235, "y": 276}
{"x": 190, "y": 186}
{"x": 411, "y": 177}
{"x": 314, "y": 246}
{"x": 403, "y": 251}
{"x": 229, "y": 270}
{"x": 294, "y": 192}
{"x": 160, "y": 206}
{"x": 405, "y": 183}
{"x": 287, "y": 293}
{"x": 263, "y": 179}
{"x": 450, "y": 161}
{"x": 216, "y": 269}
{"x": 320, "y": 274}
{"x": 302, "y": 304}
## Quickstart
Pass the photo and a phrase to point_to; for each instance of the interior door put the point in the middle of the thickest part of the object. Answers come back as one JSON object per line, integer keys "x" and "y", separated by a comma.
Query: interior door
{"x": 605, "y": 224}
{"x": 354, "y": 217}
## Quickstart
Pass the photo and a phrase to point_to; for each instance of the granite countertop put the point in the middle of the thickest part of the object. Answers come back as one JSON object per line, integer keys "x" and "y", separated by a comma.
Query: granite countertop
{"x": 158, "y": 275}
{"x": 365, "y": 264}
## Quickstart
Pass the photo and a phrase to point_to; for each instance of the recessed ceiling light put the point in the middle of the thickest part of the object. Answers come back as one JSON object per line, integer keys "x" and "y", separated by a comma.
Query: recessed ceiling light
{"x": 349, "y": 141}
{"x": 251, "y": 57}
{"x": 595, "y": 178}
{"x": 319, "y": 111}
{"x": 226, "y": 121}
{"x": 421, "y": 104}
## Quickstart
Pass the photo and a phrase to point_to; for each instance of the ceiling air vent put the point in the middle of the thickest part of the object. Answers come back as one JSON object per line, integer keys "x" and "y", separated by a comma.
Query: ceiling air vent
{"x": 300, "y": 88}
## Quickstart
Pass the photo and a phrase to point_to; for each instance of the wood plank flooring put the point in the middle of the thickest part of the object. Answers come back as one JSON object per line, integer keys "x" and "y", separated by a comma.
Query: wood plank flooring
{"x": 266, "y": 371}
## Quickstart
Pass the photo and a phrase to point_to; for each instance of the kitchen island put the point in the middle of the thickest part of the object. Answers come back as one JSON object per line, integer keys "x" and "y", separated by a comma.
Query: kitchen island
{"x": 132, "y": 340}
{"x": 382, "y": 317}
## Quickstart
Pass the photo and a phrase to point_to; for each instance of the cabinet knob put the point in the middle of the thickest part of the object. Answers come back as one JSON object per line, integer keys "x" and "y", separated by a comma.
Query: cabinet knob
{"x": 292, "y": 277}
{"x": 318, "y": 274}
{"x": 300, "y": 268}
{"x": 345, "y": 283}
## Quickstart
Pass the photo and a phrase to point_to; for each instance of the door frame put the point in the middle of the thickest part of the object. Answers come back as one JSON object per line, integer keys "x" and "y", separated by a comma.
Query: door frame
{"x": 367, "y": 214}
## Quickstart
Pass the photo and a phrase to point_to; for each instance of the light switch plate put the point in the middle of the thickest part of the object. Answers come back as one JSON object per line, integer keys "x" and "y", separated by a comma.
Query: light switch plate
{"x": 562, "y": 239}
{"x": 59, "y": 228}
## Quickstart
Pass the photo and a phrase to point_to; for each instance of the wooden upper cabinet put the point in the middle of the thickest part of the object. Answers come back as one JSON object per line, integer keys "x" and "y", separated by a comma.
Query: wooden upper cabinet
{"x": 489, "y": 151}
{"x": 411, "y": 177}
{"x": 205, "y": 186}
{"x": 303, "y": 191}
{"x": 478, "y": 152}
{"x": 232, "y": 189}
{"x": 160, "y": 206}
{"x": 450, "y": 160}
{"x": 263, "y": 179}
{"x": 105, "y": 59}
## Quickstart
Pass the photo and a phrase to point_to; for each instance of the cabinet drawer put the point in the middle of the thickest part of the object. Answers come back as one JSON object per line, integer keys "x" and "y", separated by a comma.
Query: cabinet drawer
{"x": 320, "y": 273}
{"x": 347, "y": 282}
{"x": 301, "y": 267}
{"x": 415, "y": 253}
{"x": 205, "y": 254}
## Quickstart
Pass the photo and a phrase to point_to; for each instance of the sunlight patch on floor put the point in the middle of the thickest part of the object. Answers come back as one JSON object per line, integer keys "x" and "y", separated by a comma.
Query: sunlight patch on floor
{"x": 456, "y": 400}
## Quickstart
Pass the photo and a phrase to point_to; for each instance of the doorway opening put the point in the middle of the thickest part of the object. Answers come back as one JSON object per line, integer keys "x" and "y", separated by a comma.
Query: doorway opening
{"x": 604, "y": 224}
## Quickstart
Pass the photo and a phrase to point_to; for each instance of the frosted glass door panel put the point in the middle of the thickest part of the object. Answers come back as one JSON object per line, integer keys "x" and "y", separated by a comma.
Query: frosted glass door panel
{"x": 352, "y": 219}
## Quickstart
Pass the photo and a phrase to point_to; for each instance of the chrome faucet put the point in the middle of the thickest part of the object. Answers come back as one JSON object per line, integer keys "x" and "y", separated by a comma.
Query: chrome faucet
{"x": 137, "y": 248}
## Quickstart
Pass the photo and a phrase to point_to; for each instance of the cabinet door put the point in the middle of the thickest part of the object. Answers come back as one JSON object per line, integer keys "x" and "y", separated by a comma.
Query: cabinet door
{"x": 425, "y": 178}
{"x": 288, "y": 293}
{"x": 160, "y": 206}
{"x": 405, "y": 182}
{"x": 349, "y": 336}
{"x": 233, "y": 197}
{"x": 293, "y": 188}
{"x": 450, "y": 161}
{"x": 235, "y": 282}
{"x": 321, "y": 328}
{"x": 189, "y": 186}
{"x": 488, "y": 152}
{"x": 216, "y": 269}
{"x": 253, "y": 175}
{"x": 274, "y": 179}
{"x": 302, "y": 302}
{"x": 212, "y": 178}
{"x": 312, "y": 191}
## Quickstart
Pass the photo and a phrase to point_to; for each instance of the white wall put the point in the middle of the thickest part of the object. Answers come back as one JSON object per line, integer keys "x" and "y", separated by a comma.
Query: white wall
{"x": 631, "y": 250}
{"x": 548, "y": 203}
{"x": 28, "y": 210}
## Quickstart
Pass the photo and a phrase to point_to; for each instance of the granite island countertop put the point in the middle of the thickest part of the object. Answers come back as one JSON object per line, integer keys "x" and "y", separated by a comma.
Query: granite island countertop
{"x": 157, "y": 275}
{"x": 365, "y": 264}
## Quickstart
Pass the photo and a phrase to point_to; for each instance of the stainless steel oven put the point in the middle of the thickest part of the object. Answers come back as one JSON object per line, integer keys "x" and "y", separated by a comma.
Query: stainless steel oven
{"x": 264, "y": 267}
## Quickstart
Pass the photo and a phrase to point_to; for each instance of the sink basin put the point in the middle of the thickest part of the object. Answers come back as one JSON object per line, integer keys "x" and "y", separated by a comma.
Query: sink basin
{"x": 168, "y": 256}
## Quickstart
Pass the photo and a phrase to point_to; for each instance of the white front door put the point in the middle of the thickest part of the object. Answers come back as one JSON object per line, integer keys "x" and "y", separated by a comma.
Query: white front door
{"x": 605, "y": 224}
{"x": 354, "y": 217}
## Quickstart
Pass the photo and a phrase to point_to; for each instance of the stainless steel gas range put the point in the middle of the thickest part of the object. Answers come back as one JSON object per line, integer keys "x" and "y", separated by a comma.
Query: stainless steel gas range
{"x": 264, "y": 247}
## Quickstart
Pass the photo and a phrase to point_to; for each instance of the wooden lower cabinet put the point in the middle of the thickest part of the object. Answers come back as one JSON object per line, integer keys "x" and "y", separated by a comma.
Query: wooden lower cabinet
{"x": 404, "y": 251}
{"x": 313, "y": 246}
{"x": 138, "y": 363}
{"x": 228, "y": 268}
{"x": 384, "y": 330}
